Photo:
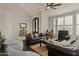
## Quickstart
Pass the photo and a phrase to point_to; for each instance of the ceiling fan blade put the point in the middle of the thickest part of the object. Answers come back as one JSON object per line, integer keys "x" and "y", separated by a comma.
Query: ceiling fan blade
{"x": 51, "y": 4}
{"x": 56, "y": 4}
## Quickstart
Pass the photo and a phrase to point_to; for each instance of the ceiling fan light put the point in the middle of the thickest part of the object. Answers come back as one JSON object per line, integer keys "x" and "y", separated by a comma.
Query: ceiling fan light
{"x": 48, "y": 7}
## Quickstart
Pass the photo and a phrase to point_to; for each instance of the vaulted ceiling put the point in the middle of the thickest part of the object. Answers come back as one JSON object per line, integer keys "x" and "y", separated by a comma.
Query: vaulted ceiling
{"x": 33, "y": 8}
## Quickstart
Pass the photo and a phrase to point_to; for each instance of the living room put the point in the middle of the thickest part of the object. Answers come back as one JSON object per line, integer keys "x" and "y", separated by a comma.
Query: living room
{"x": 22, "y": 21}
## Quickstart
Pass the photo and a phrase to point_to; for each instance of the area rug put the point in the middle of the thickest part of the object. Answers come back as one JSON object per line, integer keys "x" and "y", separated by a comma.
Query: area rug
{"x": 40, "y": 50}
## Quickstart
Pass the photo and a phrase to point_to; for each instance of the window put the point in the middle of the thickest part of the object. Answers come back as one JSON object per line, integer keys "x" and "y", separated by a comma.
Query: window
{"x": 68, "y": 20}
{"x": 77, "y": 24}
{"x": 60, "y": 23}
{"x": 65, "y": 23}
{"x": 68, "y": 24}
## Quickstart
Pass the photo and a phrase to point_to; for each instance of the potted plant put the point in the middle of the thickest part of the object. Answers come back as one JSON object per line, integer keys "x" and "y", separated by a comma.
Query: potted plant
{"x": 2, "y": 38}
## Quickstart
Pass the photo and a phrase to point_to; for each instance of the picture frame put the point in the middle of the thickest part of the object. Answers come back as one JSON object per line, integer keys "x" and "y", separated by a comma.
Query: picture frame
{"x": 23, "y": 25}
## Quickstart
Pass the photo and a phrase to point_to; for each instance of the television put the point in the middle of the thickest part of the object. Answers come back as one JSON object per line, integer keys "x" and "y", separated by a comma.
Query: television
{"x": 62, "y": 35}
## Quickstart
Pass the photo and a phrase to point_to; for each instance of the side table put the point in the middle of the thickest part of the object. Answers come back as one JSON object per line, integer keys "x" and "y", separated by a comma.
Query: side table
{"x": 3, "y": 50}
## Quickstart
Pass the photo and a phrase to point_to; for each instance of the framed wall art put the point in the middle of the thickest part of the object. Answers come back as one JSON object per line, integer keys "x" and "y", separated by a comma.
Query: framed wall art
{"x": 23, "y": 25}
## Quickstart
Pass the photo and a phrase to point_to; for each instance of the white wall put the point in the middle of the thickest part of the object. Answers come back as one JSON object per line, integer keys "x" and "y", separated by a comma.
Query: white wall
{"x": 10, "y": 20}
{"x": 5, "y": 23}
{"x": 50, "y": 23}
{"x": 20, "y": 17}
{"x": 44, "y": 22}
{"x": 2, "y": 21}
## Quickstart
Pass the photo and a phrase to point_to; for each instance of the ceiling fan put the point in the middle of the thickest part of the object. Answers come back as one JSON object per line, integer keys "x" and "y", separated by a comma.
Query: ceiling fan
{"x": 51, "y": 5}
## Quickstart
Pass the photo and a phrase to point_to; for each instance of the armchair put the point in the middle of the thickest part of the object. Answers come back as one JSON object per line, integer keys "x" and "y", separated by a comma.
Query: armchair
{"x": 15, "y": 48}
